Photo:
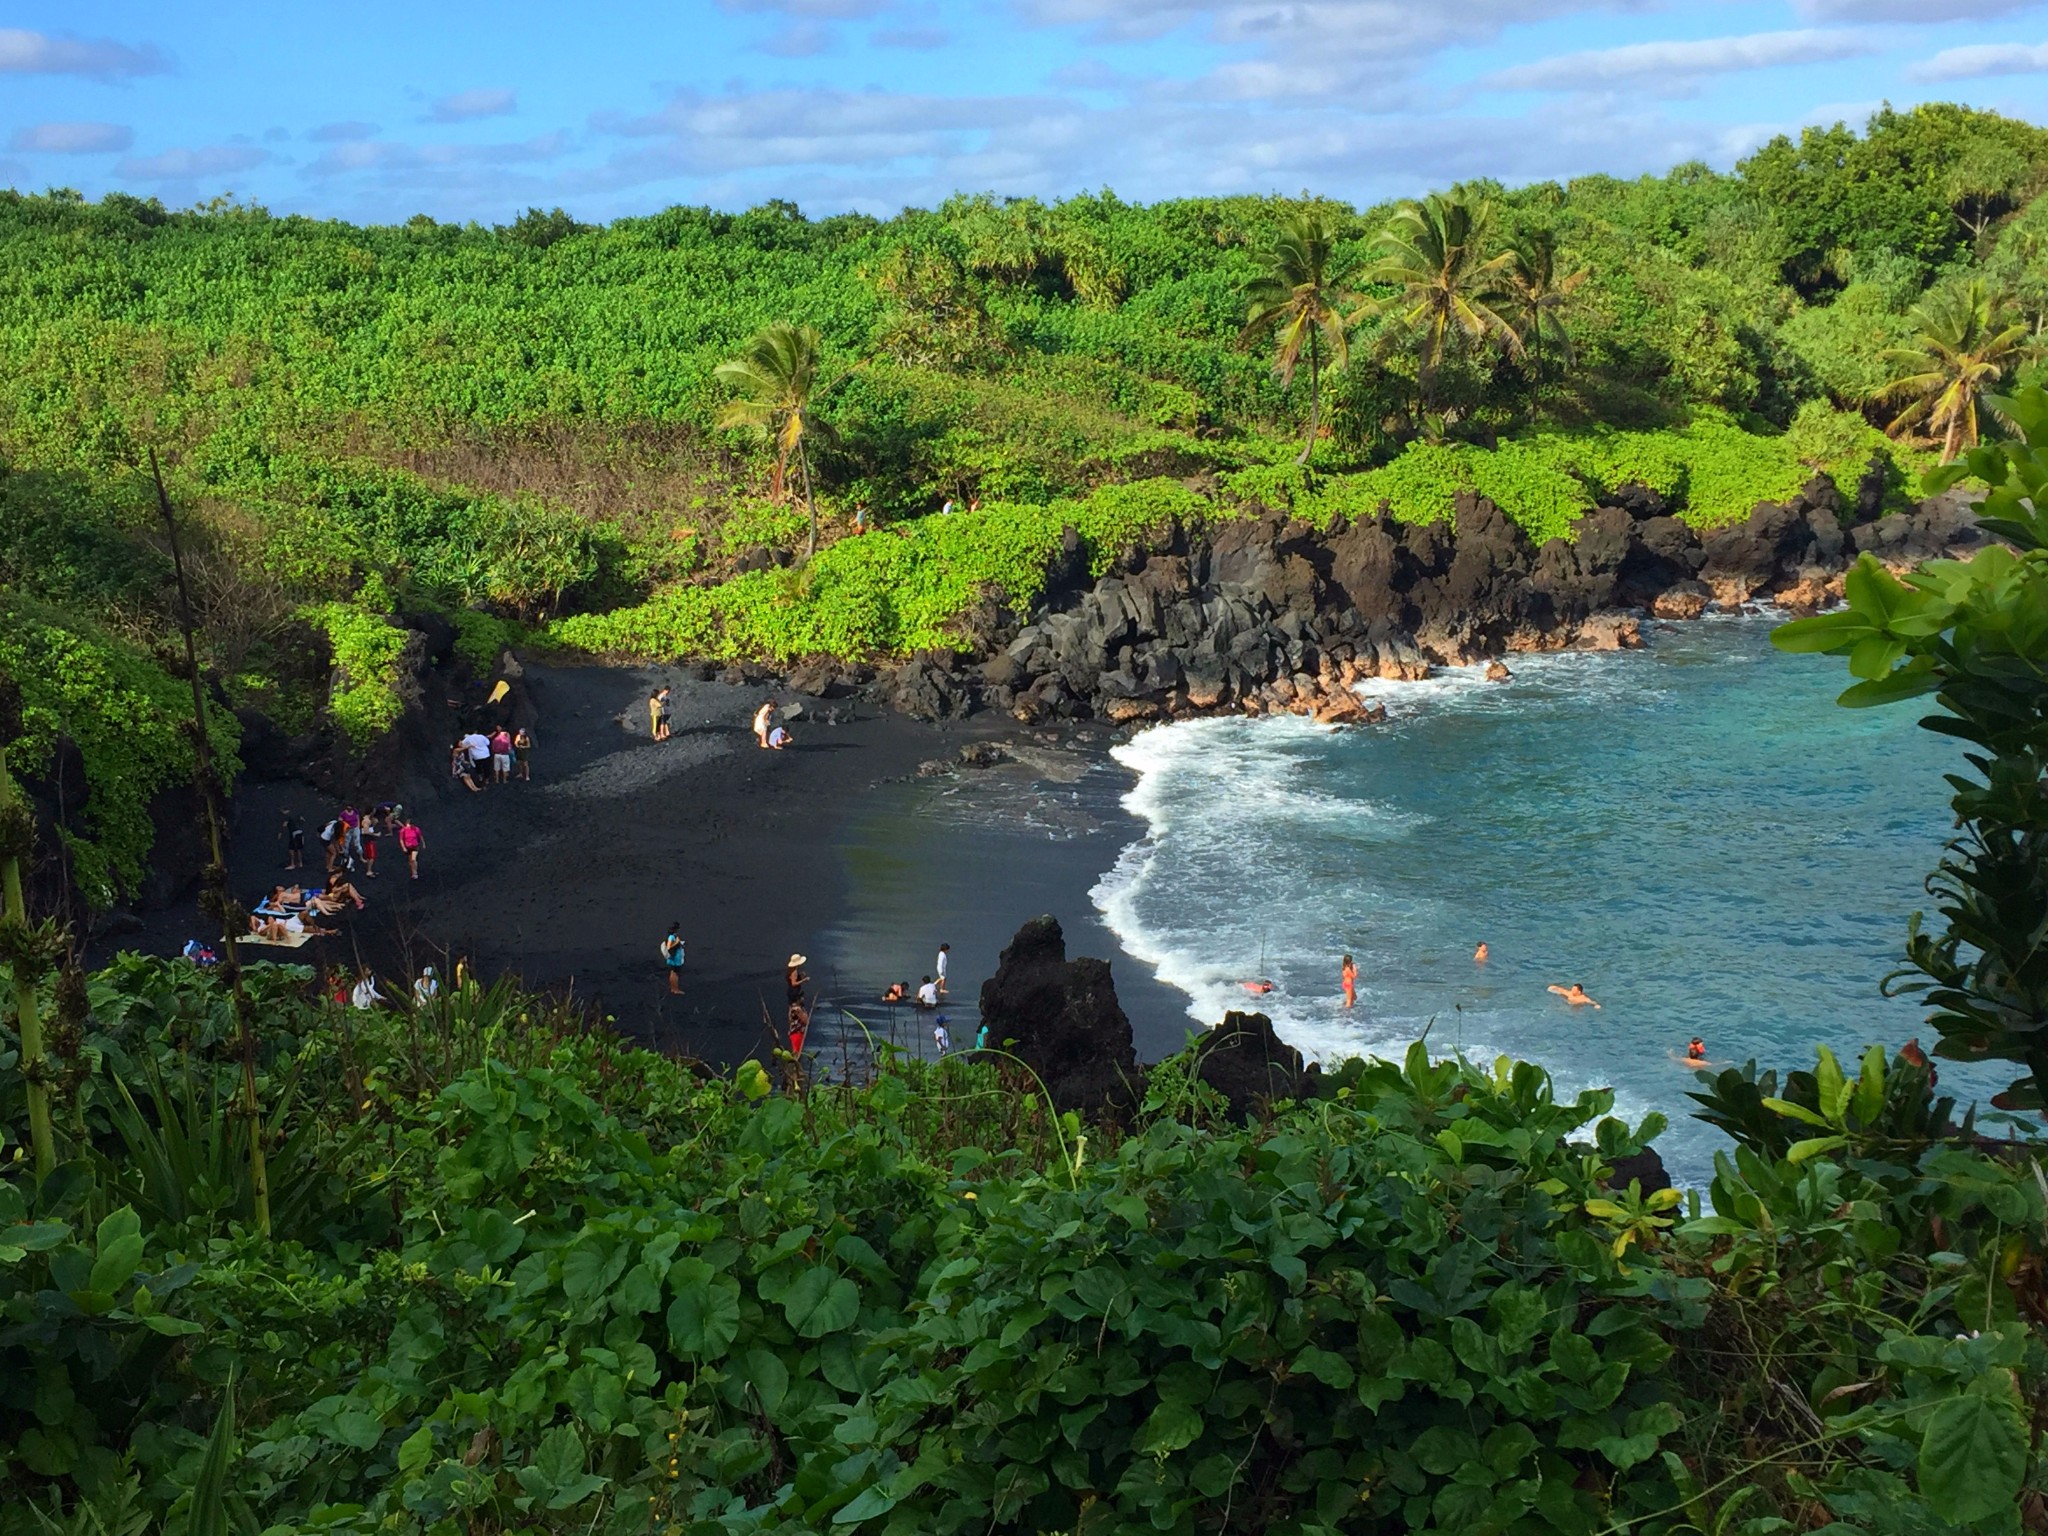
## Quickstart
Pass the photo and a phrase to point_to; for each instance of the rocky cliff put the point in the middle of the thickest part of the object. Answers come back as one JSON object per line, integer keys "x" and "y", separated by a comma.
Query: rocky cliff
{"x": 1269, "y": 614}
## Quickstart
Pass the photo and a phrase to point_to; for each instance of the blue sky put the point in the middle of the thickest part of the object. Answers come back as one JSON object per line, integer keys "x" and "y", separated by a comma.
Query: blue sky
{"x": 377, "y": 111}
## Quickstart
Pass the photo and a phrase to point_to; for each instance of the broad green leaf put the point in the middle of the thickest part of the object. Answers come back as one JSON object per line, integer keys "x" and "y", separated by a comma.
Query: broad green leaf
{"x": 120, "y": 1252}
{"x": 1172, "y": 1427}
{"x": 821, "y": 1302}
{"x": 1797, "y": 1112}
{"x": 416, "y": 1449}
{"x": 1822, "y": 632}
{"x": 1973, "y": 1458}
{"x": 865, "y": 1505}
{"x": 1814, "y": 1146}
{"x": 704, "y": 1318}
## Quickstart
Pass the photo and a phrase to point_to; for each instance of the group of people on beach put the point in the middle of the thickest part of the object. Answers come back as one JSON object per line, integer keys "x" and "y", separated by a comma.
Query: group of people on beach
{"x": 769, "y": 731}
{"x": 350, "y": 839}
{"x": 496, "y": 756}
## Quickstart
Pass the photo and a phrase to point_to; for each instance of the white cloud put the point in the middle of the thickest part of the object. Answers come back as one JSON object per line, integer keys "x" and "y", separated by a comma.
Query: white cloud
{"x": 1683, "y": 60}
{"x": 798, "y": 40}
{"x": 465, "y": 105}
{"x": 1361, "y": 31}
{"x": 184, "y": 164}
{"x": 918, "y": 38}
{"x": 388, "y": 157}
{"x": 72, "y": 139}
{"x": 828, "y": 10}
{"x": 1923, "y": 11}
{"x": 342, "y": 133}
{"x": 97, "y": 58}
{"x": 1980, "y": 59}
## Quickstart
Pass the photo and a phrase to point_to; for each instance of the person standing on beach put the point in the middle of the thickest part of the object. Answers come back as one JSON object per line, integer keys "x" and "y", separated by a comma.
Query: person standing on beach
{"x": 657, "y": 713}
{"x": 522, "y": 751}
{"x": 939, "y": 970}
{"x": 501, "y": 756}
{"x": 366, "y": 836}
{"x": 478, "y": 746}
{"x": 1350, "y": 978}
{"x": 294, "y": 840}
{"x": 940, "y": 1037}
{"x": 410, "y": 841}
{"x": 672, "y": 957}
{"x": 764, "y": 719}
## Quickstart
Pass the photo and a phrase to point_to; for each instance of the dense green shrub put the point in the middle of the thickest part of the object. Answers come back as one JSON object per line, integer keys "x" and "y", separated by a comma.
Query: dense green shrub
{"x": 364, "y": 698}
{"x": 527, "y": 1275}
{"x": 127, "y": 716}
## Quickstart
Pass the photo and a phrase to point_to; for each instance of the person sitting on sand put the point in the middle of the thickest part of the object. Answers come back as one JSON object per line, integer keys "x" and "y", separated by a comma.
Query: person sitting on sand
{"x": 779, "y": 739}
{"x": 928, "y": 993}
{"x": 898, "y": 992}
{"x": 1573, "y": 994}
{"x": 764, "y": 720}
{"x": 1479, "y": 954}
{"x": 364, "y": 993}
{"x": 283, "y": 930}
{"x": 458, "y": 770}
{"x": 339, "y": 890}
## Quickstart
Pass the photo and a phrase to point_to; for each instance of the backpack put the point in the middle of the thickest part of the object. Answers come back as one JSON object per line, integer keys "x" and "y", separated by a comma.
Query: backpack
{"x": 677, "y": 958}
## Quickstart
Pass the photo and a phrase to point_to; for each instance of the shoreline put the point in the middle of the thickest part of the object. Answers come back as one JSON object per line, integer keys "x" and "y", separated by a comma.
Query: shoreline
{"x": 569, "y": 882}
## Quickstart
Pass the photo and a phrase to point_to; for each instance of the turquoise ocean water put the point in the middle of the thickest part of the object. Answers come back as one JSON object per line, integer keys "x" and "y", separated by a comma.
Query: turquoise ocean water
{"x": 1695, "y": 832}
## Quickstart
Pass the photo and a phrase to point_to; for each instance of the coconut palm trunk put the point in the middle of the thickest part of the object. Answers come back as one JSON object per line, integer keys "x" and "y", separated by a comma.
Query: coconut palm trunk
{"x": 1315, "y": 400}
{"x": 17, "y": 826}
{"x": 803, "y": 464}
{"x": 214, "y": 885}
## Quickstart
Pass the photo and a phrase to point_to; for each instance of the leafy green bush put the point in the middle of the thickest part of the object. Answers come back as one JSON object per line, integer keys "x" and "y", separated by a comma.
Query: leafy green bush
{"x": 124, "y": 712}
{"x": 364, "y": 699}
{"x": 540, "y": 1278}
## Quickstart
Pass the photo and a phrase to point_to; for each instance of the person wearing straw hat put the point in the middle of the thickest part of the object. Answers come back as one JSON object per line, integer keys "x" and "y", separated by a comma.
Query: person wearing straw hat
{"x": 795, "y": 979}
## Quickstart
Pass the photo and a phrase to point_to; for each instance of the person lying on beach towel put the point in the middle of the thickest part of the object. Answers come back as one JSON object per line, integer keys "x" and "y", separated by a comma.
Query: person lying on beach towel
{"x": 285, "y": 930}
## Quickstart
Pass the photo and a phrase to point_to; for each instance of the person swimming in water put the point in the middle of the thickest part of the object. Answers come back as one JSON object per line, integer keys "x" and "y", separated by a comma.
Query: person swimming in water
{"x": 1573, "y": 994}
{"x": 1697, "y": 1050}
{"x": 1257, "y": 988}
{"x": 1479, "y": 954}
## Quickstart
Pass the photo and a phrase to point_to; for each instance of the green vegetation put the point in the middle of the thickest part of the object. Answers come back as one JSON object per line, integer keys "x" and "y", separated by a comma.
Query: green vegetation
{"x": 1974, "y": 634}
{"x": 524, "y": 1277}
{"x": 522, "y": 426}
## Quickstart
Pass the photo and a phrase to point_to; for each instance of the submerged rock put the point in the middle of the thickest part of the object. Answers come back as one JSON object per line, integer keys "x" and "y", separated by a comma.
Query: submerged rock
{"x": 1062, "y": 1017}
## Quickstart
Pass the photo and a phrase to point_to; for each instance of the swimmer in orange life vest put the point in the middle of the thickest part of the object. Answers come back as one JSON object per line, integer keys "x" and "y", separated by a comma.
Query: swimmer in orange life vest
{"x": 1573, "y": 994}
{"x": 1697, "y": 1051}
{"x": 1479, "y": 954}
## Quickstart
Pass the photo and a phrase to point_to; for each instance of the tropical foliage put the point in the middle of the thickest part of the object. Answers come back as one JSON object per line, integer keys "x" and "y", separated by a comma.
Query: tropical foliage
{"x": 520, "y": 427}
{"x": 1974, "y": 634}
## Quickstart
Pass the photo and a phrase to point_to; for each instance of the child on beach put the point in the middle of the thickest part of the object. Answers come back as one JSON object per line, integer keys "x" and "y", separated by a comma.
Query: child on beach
{"x": 779, "y": 738}
{"x": 928, "y": 993}
{"x": 940, "y": 1037}
{"x": 945, "y": 952}
{"x": 899, "y": 991}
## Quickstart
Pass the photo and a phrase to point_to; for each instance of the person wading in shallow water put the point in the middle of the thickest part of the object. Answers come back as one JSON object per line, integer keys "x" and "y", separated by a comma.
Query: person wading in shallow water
{"x": 1479, "y": 954}
{"x": 1349, "y": 976}
{"x": 672, "y": 957}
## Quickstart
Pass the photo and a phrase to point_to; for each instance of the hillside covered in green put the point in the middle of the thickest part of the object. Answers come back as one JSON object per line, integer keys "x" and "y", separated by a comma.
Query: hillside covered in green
{"x": 520, "y": 427}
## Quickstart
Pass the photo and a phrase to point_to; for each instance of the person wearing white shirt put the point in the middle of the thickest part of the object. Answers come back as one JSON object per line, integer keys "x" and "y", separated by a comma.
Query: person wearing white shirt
{"x": 945, "y": 951}
{"x": 427, "y": 988}
{"x": 928, "y": 994}
{"x": 365, "y": 993}
{"x": 943, "y": 1040}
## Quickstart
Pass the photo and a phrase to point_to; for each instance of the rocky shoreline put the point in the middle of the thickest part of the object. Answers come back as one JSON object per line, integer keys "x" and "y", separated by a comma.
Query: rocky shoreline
{"x": 1271, "y": 615}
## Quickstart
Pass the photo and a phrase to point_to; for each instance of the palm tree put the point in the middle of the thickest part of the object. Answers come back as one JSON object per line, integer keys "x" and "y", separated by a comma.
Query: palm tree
{"x": 1298, "y": 298}
{"x": 1441, "y": 255}
{"x": 1536, "y": 298}
{"x": 776, "y": 375}
{"x": 1959, "y": 351}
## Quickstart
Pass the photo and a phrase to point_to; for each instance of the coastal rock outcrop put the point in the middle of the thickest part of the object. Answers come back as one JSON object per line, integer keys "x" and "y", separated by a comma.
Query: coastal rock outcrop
{"x": 1062, "y": 1017}
{"x": 1270, "y": 615}
{"x": 1250, "y": 1065}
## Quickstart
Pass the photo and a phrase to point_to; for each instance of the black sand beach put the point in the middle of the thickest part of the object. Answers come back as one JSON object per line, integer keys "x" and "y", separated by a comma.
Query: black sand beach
{"x": 836, "y": 849}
